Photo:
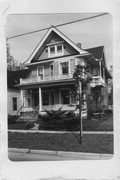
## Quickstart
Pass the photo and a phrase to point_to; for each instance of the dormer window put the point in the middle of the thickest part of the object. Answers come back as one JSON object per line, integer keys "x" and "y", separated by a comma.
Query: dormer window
{"x": 52, "y": 49}
{"x": 55, "y": 49}
{"x": 59, "y": 48}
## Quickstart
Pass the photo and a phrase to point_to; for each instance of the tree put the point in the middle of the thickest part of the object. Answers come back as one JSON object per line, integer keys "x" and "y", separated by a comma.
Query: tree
{"x": 11, "y": 62}
{"x": 82, "y": 77}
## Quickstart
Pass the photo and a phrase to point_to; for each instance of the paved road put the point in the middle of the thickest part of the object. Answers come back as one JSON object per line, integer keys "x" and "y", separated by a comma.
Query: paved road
{"x": 23, "y": 156}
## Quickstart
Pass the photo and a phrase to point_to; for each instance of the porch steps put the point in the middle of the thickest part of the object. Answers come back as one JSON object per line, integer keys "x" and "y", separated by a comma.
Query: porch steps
{"x": 28, "y": 116}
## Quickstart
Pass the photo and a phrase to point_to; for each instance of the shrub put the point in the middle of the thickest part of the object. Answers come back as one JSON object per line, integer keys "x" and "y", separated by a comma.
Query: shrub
{"x": 12, "y": 118}
{"x": 28, "y": 125}
{"x": 58, "y": 120}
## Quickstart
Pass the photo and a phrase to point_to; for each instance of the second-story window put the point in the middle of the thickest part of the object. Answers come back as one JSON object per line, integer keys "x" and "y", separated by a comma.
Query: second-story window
{"x": 64, "y": 68}
{"x": 40, "y": 72}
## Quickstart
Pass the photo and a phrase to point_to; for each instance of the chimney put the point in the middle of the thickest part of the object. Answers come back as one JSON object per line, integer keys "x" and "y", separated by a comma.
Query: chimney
{"x": 79, "y": 45}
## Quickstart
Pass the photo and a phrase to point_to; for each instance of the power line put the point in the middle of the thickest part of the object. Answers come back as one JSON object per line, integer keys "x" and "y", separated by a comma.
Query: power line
{"x": 5, "y": 10}
{"x": 63, "y": 24}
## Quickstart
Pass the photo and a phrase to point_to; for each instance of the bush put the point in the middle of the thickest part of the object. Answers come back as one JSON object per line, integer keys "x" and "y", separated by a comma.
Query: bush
{"x": 58, "y": 120}
{"x": 28, "y": 125}
{"x": 12, "y": 118}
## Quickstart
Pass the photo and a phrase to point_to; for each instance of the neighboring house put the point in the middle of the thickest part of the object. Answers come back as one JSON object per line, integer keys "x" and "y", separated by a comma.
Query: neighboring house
{"x": 13, "y": 93}
{"x": 49, "y": 83}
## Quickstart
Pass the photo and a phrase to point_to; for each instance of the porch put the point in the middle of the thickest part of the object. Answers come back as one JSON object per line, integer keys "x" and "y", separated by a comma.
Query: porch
{"x": 48, "y": 98}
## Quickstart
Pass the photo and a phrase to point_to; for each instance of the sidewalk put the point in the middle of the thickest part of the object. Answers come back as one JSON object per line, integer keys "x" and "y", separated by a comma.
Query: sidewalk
{"x": 16, "y": 154}
{"x": 59, "y": 132}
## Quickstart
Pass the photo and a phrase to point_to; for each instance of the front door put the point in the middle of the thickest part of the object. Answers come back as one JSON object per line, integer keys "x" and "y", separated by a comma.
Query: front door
{"x": 35, "y": 99}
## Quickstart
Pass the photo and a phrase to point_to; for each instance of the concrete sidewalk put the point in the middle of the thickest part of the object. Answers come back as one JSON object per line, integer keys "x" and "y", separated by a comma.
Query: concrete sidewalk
{"x": 17, "y": 154}
{"x": 59, "y": 132}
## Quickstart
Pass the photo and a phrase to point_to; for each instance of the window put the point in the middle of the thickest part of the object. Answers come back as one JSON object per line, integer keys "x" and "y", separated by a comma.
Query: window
{"x": 95, "y": 72}
{"x": 65, "y": 96}
{"x": 14, "y": 104}
{"x": 40, "y": 72}
{"x": 64, "y": 68}
{"x": 59, "y": 48}
{"x": 51, "y": 70}
{"x": 45, "y": 98}
{"x": 52, "y": 49}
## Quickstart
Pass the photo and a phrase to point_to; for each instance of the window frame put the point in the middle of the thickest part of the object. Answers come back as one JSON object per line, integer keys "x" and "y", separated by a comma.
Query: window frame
{"x": 51, "y": 48}
{"x": 60, "y": 69}
{"x": 38, "y": 72}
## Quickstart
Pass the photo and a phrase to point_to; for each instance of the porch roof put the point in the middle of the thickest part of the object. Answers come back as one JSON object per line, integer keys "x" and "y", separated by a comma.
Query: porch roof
{"x": 47, "y": 83}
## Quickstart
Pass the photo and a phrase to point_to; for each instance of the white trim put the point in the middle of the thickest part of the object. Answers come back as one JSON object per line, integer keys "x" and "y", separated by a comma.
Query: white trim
{"x": 62, "y": 36}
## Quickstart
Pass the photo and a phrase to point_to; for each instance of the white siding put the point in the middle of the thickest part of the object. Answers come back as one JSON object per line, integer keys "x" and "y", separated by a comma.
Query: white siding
{"x": 10, "y": 94}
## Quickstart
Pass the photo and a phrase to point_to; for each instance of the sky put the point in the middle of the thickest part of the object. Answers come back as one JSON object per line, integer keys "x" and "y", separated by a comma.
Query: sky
{"x": 90, "y": 33}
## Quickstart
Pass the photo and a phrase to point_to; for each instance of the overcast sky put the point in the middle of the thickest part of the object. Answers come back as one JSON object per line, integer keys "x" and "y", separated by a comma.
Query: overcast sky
{"x": 90, "y": 33}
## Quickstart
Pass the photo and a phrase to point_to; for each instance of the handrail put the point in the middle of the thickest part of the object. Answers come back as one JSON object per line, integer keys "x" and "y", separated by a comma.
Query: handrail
{"x": 19, "y": 109}
{"x": 34, "y": 109}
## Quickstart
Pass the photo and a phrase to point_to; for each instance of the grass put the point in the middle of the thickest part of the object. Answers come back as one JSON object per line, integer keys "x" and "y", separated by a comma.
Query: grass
{"x": 93, "y": 143}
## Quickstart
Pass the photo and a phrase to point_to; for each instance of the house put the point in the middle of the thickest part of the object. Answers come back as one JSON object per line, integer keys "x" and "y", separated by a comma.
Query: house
{"x": 14, "y": 102}
{"x": 49, "y": 83}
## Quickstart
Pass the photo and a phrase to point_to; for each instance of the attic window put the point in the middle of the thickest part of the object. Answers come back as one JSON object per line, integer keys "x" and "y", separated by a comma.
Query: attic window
{"x": 59, "y": 48}
{"x": 52, "y": 49}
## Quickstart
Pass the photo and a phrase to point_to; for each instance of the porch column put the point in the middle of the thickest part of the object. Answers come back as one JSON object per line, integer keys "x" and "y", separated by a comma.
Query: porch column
{"x": 22, "y": 98}
{"x": 40, "y": 100}
{"x": 100, "y": 67}
{"x": 104, "y": 73}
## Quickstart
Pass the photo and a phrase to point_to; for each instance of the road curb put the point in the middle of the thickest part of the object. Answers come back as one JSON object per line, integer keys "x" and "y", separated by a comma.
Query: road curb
{"x": 59, "y": 132}
{"x": 59, "y": 153}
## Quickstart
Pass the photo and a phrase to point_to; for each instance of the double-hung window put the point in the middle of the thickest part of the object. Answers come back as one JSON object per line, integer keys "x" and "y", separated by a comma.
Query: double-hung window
{"x": 14, "y": 104}
{"x": 52, "y": 49}
{"x": 59, "y": 48}
{"x": 40, "y": 72}
{"x": 64, "y": 68}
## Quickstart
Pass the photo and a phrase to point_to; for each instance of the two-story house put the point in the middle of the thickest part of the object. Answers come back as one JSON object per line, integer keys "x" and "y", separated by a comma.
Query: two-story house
{"x": 50, "y": 83}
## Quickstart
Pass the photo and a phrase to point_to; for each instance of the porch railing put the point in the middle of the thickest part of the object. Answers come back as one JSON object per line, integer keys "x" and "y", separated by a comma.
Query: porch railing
{"x": 47, "y": 78}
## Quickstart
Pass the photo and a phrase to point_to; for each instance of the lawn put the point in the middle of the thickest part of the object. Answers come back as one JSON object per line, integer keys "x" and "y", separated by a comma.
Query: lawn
{"x": 93, "y": 143}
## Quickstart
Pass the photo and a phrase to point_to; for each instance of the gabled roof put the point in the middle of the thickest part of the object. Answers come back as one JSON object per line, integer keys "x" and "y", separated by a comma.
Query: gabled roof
{"x": 60, "y": 34}
{"x": 97, "y": 52}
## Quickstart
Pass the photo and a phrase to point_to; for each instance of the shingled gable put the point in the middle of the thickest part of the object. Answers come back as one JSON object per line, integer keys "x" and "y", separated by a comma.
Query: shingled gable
{"x": 97, "y": 52}
{"x": 41, "y": 45}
